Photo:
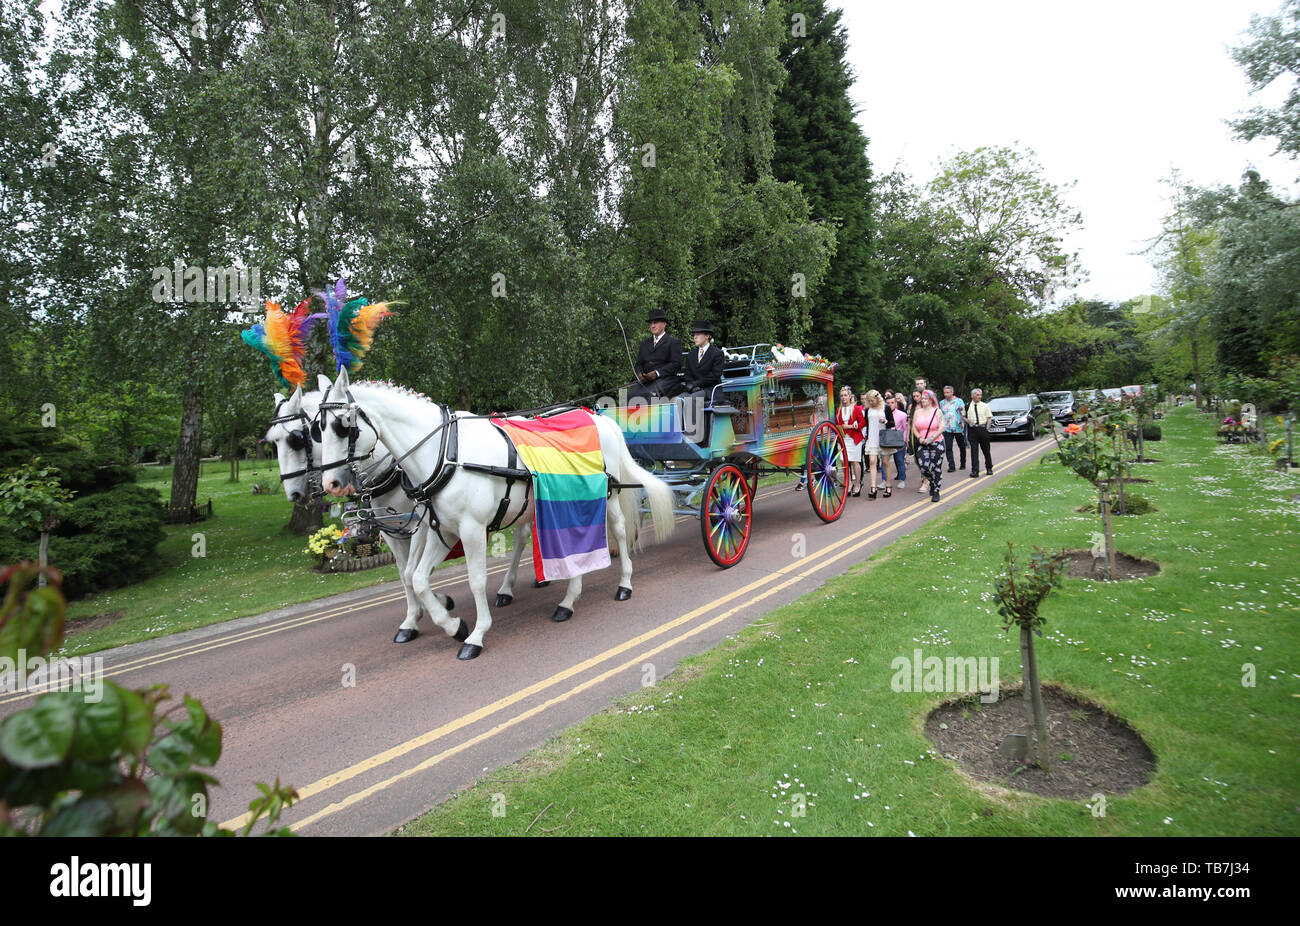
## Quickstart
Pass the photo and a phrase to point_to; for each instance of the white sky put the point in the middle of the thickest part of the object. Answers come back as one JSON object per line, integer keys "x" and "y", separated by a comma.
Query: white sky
{"x": 1112, "y": 94}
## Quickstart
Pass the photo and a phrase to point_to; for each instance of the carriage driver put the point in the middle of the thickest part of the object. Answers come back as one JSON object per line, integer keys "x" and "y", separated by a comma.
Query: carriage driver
{"x": 704, "y": 364}
{"x": 658, "y": 360}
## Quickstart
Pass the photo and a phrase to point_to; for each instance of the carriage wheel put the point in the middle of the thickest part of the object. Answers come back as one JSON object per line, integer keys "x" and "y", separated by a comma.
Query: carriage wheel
{"x": 725, "y": 515}
{"x": 828, "y": 471}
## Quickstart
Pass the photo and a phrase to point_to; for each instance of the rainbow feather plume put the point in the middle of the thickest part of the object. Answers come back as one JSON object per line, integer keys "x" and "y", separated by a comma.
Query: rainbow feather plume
{"x": 282, "y": 337}
{"x": 352, "y": 326}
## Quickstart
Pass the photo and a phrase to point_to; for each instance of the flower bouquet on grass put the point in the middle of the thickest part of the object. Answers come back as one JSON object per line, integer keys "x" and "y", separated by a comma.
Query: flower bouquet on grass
{"x": 1236, "y": 431}
{"x": 325, "y": 544}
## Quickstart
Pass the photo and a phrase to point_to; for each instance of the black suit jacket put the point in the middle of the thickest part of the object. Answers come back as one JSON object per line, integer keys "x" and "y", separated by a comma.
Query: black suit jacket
{"x": 703, "y": 374}
{"x": 666, "y": 357}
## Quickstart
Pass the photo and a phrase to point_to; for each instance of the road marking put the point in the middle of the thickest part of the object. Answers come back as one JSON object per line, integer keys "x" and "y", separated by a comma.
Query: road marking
{"x": 881, "y": 528}
{"x": 286, "y": 623}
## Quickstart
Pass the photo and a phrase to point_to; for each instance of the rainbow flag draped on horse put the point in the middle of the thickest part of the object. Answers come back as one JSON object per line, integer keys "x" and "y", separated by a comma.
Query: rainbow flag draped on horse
{"x": 570, "y": 490}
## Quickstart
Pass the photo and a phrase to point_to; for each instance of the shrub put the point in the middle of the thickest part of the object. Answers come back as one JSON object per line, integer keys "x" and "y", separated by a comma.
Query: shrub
{"x": 104, "y": 540}
{"x": 94, "y": 758}
{"x": 107, "y": 534}
{"x": 1151, "y": 431}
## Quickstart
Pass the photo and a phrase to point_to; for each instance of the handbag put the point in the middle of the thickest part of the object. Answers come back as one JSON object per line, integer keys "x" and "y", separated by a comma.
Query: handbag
{"x": 890, "y": 437}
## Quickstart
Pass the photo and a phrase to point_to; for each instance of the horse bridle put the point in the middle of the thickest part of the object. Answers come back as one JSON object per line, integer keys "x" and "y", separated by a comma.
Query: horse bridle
{"x": 349, "y": 413}
{"x": 303, "y": 435}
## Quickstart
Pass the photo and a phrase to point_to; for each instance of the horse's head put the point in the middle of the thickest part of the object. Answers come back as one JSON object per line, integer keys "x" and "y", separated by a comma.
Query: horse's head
{"x": 290, "y": 432}
{"x": 342, "y": 433}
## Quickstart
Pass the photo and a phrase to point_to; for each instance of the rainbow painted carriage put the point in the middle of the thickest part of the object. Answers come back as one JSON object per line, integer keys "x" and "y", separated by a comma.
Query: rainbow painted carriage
{"x": 770, "y": 414}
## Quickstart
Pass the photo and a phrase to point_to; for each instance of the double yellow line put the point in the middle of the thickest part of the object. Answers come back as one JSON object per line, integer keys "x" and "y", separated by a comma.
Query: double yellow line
{"x": 790, "y": 575}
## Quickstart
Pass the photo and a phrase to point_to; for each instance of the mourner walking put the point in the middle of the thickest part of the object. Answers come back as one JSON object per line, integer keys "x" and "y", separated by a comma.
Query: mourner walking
{"x": 977, "y": 417}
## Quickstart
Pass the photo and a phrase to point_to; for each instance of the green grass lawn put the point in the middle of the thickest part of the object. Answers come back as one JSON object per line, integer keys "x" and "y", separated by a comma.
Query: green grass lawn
{"x": 800, "y": 703}
{"x": 251, "y": 564}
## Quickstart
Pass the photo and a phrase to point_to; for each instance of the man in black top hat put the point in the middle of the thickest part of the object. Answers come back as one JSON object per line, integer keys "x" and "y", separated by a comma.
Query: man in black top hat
{"x": 658, "y": 360}
{"x": 704, "y": 364}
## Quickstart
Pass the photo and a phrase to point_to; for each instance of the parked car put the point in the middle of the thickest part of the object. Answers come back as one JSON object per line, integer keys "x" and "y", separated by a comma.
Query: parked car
{"x": 1060, "y": 404}
{"x": 1018, "y": 415}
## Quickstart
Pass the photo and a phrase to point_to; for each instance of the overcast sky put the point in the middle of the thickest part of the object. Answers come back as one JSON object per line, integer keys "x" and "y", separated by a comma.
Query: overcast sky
{"x": 1110, "y": 94}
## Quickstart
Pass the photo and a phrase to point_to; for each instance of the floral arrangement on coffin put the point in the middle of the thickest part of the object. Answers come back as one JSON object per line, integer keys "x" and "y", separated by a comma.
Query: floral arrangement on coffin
{"x": 792, "y": 355}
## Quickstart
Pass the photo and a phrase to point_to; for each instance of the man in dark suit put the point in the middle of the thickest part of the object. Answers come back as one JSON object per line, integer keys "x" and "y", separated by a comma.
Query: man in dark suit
{"x": 704, "y": 364}
{"x": 658, "y": 360}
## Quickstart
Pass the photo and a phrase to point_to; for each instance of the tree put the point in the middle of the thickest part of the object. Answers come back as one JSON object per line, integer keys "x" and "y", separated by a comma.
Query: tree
{"x": 1020, "y": 591}
{"x": 31, "y": 498}
{"x": 157, "y": 191}
{"x": 1016, "y": 216}
{"x": 820, "y": 146}
{"x": 1183, "y": 250}
{"x": 1273, "y": 52}
{"x": 1067, "y": 342}
{"x": 1126, "y": 358}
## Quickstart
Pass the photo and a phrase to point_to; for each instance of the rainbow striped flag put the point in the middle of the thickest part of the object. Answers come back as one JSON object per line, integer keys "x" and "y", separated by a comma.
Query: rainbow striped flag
{"x": 569, "y": 492}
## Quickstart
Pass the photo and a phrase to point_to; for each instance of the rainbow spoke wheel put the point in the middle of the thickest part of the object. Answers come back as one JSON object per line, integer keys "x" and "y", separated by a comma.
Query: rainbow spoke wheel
{"x": 726, "y": 514}
{"x": 827, "y": 471}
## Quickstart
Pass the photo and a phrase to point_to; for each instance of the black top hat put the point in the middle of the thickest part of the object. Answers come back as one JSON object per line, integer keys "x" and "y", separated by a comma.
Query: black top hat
{"x": 702, "y": 327}
{"x": 657, "y": 315}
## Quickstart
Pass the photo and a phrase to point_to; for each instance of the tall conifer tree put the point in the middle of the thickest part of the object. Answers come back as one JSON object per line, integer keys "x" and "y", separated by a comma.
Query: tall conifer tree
{"x": 821, "y": 147}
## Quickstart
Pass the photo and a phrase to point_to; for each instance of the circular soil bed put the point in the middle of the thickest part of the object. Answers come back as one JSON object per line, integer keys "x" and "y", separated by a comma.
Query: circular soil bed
{"x": 1091, "y": 750}
{"x": 1147, "y": 460}
{"x": 1128, "y": 479}
{"x": 1083, "y": 566}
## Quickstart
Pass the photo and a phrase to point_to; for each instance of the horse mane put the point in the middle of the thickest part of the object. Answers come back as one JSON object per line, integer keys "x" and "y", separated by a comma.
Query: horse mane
{"x": 393, "y": 387}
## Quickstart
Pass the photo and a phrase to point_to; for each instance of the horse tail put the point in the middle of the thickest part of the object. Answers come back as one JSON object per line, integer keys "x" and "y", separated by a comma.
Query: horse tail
{"x": 657, "y": 493}
{"x": 660, "y": 496}
{"x": 629, "y": 502}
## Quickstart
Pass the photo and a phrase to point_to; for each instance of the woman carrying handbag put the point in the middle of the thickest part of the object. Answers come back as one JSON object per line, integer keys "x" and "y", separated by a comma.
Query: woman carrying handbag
{"x": 927, "y": 429}
{"x": 881, "y": 436}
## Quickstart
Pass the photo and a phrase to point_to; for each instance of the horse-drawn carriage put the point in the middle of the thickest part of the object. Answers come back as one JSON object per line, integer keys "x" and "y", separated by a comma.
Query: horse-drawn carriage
{"x": 434, "y": 479}
{"x": 768, "y": 415}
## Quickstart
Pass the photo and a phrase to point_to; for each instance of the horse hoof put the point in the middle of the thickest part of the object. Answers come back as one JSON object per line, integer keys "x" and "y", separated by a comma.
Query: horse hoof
{"x": 562, "y": 614}
{"x": 405, "y": 635}
{"x": 469, "y": 651}
{"x": 537, "y": 584}
{"x": 503, "y": 600}
{"x": 450, "y": 605}
{"x": 623, "y": 594}
{"x": 459, "y": 636}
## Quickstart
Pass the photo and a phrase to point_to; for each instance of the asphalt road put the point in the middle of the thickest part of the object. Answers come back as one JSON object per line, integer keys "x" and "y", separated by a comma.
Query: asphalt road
{"x": 417, "y": 725}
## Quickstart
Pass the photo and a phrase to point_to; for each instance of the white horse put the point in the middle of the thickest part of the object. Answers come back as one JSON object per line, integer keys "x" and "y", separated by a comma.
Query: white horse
{"x": 464, "y": 499}
{"x": 290, "y": 433}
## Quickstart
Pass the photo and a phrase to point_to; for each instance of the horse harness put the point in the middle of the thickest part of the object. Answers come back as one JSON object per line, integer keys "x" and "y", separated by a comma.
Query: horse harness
{"x": 444, "y": 468}
{"x": 299, "y": 439}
